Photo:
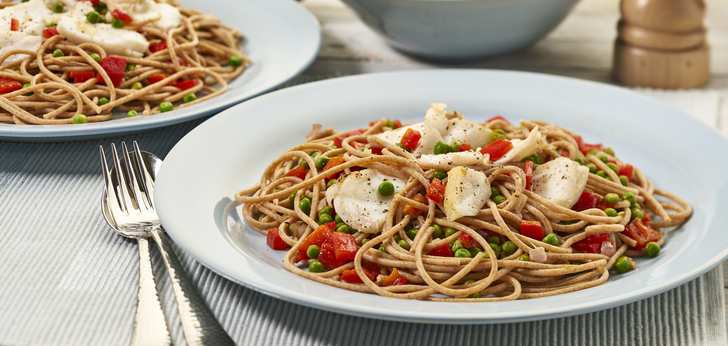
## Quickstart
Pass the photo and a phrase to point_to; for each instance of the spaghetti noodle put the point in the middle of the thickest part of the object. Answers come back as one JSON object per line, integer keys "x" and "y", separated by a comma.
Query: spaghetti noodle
{"x": 70, "y": 80}
{"x": 454, "y": 210}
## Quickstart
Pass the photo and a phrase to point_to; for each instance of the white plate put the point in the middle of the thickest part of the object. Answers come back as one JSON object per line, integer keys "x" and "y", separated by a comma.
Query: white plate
{"x": 230, "y": 151}
{"x": 282, "y": 38}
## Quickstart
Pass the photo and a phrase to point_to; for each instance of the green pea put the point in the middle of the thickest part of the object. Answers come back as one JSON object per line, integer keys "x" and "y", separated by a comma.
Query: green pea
{"x": 103, "y": 100}
{"x": 474, "y": 251}
{"x": 57, "y": 53}
{"x": 637, "y": 213}
{"x": 305, "y": 205}
{"x": 609, "y": 151}
{"x": 496, "y": 135}
{"x": 611, "y": 212}
{"x": 437, "y": 231}
{"x": 629, "y": 196}
{"x": 439, "y": 175}
{"x": 524, "y": 258}
{"x": 494, "y": 239}
{"x": 344, "y": 228}
{"x": 338, "y": 219}
{"x": 498, "y": 199}
{"x": 613, "y": 167}
{"x": 94, "y": 17}
{"x": 536, "y": 158}
{"x": 315, "y": 266}
{"x": 456, "y": 245}
{"x": 166, "y": 106}
{"x": 131, "y": 67}
{"x": 602, "y": 157}
{"x": 386, "y": 188}
{"x": 26, "y": 85}
{"x": 552, "y": 239}
{"x": 652, "y": 249}
{"x": 508, "y": 248}
{"x": 624, "y": 180}
{"x": 324, "y": 218}
{"x": 117, "y": 23}
{"x": 101, "y": 8}
{"x": 411, "y": 232}
{"x": 592, "y": 168}
{"x": 592, "y": 151}
{"x": 189, "y": 98}
{"x": 137, "y": 85}
{"x": 602, "y": 174}
{"x": 326, "y": 210}
{"x": 496, "y": 248}
{"x": 612, "y": 198}
{"x": 403, "y": 244}
{"x": 321, "y": 162}
{"x": 58, "y": 7}
{"x": 624, "y": 264}
{"x": 442, "y": 148}
{"x": 494, "y": 191}
{"x": 235, "y": 61}
{"x": 462, "y": 252}
{"x": 132, "y": 113}
{"x": 382, "y": 248}
{"x": 95, "y": 56}
{"x": 79, "y": 119}
{"x": 331, "y": 183}
{"x": 580, "y": 161}
{"x": 449, "y": 231}
{"x": 313, "y": 251}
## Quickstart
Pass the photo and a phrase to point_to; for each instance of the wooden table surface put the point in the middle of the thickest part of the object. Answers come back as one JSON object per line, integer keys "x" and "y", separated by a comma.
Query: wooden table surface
{"x": 580, "y": 47}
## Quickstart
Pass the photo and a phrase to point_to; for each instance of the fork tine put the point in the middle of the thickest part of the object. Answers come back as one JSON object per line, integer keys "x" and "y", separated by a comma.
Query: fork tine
{"x": 146, "y": 178}
{"x": 123, "y": 191}
{"x": 134, "y": 181}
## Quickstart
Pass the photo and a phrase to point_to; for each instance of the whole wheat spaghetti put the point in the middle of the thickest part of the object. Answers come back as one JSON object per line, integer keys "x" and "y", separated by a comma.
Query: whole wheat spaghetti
{"x": 455, "y": 210}
{"x": 71, "y": 61}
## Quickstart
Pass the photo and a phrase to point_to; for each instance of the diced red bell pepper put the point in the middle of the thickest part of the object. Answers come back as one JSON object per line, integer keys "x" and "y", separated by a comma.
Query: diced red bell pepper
{"x": 394, "y": 278}
{"x": 338, "y": 140}
{"x": 122, "y": 16}
{"x": 14, "y": 24}
{"x": 464, "y": 147}
{"x": 442, "y": 250}
{"x": 115, "y": 67}
{"x": 333, "y": 162}
{"x": 591, "y": 244}
{"x": 587, "y": 200}
{"x": 532, "y": 229}
{"x": 371, "y": 270}
{"x": 157, "y": 46}
{"x": 377, "y": 150}
{"x": 466, "y": 240}
{"x": 338, "y": 249}
{"x": 274, "y": 240}
{"x": 528, "y": 169}
{"x": 626, "y": 170}
{"x": 586, "y": 147}
{"x": 184, "y": 84}
{"x": 497, "y": 117}
{"x": 49, "y": 32}
{"x": 298, "y": 172}
{"x": 316, "y": 237}
{"x": 411, "y": 139}
{"x": 155, "y": 78}
{"x": 496, "y": 149}
{"x": 95, "y": 2}
{"x": 641, "y": 233}
{"x": 436, "y": 191}
{"x": 81, "y": 75}
{"x": 9, "y": 85}
{"x": 412, "y": 210}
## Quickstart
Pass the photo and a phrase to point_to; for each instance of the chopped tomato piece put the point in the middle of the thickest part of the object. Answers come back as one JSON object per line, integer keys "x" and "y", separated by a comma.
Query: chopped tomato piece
{"x": 298, "y": 172}
{"x": 410, "y": 139}
{"x": 464, "y": 147}
{"x": 586, "y": 147}
{"x": 333, "y": 162}
{"x": 338, "y": 249}
{"x": 641, "y": 233}
{"x": 14, "y": 24}
{"x": 9, "y": 85}
{"x": 436, "y": 191}
{"x": 316, "y": 237}
{"x": 467, "y": 240}
{"x": 394, "y": 278}
{"x": 184, "y": 84}
{"x": 122, "y": 16}
{"x": 340, "y": 139}
{"x": 155, "y": 78}
{"x": 49, "y": 32}
{"x": 157, "y": 46}
{"x": 627, "y": 170}
{"x": 591, "y": 244}
{"x": 496, "y": 149}
{"x": 81, "y": 76}
{"x": 442, "y": 250}
{"x": 528, "y": 168}
{"x": 115, "y": 67}
{"x": 587, "y": 200}
{"x": 532, "y": 229}
{"x": 274, "y": 240}
{"x": 412, "y": 210}
{"x": 497, "y": 117}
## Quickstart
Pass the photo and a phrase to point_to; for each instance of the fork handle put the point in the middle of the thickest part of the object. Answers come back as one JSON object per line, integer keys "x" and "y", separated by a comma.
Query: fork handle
{"x": 150, "y": 327}
{"x": 199, "y": 324}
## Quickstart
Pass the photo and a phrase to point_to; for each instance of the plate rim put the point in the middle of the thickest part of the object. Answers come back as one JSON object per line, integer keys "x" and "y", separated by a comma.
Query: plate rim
{"x": 48, "y": 133}
{"x": 466, "y": 317}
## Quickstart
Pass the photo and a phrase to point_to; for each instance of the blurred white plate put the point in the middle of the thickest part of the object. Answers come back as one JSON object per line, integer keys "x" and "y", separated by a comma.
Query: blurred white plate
{"x": 229, "y": 152}
{"x": 282, "y": 38}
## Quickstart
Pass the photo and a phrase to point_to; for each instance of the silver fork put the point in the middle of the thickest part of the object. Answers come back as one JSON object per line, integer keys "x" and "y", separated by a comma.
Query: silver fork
{"x": 150, "y": 327}
{"x": 199, "y": 324}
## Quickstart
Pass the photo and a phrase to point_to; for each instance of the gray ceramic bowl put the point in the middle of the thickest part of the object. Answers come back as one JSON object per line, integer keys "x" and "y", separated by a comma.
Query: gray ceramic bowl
{"x": 461, "y": 29}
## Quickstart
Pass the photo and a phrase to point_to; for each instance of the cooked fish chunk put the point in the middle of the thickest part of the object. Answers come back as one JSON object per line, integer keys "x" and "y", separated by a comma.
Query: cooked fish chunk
{"x": 560, "y": 181}
{"x": 523, "y": 148}
{"x": 461, "y": 158}
{"x": 466, "y": 192}
{"x": 357, "y": 200}
{"x": 427, "y": 142}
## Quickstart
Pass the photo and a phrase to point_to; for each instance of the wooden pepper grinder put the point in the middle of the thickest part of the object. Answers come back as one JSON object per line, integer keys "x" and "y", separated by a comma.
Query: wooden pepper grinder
{"x": 661, "y": 44}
